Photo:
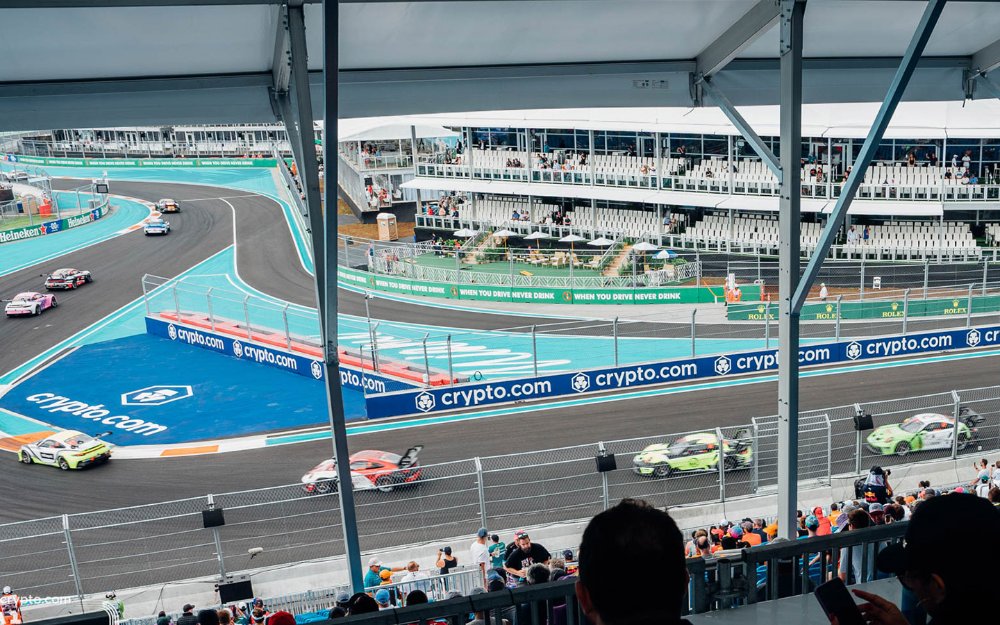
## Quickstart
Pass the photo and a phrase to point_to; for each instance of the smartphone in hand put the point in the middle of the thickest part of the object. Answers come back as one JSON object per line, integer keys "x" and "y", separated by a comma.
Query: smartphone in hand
{"x": 837, "y": 602}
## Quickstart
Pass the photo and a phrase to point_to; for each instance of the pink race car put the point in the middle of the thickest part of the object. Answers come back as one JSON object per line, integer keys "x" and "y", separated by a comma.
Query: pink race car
{"x": 30, "y": 303}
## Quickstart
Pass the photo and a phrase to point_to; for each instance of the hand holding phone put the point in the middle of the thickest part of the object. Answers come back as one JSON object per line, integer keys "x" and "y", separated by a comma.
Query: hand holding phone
{"x": 838, "y": 604}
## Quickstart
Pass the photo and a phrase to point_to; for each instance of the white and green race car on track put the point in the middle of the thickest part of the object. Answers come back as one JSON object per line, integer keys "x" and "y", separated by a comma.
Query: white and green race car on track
{"x": 923, "y": 432}
{"x": 67, "y": 450}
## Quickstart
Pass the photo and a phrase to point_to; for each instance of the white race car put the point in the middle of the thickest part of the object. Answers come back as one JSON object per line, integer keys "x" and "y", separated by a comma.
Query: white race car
{"x": 168, "y": 206}
{"x": 30, "y": 303}
{"x": 67, "y": 450}
{"x": 155, "y": 225}
{"x": 67, "y": 279}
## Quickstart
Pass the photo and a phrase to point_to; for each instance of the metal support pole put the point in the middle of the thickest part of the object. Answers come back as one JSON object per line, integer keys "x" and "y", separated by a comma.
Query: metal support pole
{"x": 756, "y": 464}
{"x": 534, "y": 350}
{"x": 451, "y": 375}
{"x": 694, "y": 332}
{"x": 614, "y": 331}
{"x": 375, "y": 357}
{"x": 218, "y": 542}
{"x": 605, "y": 498}
{"x": 767, "y": 326}
{"x": 788, "y": 275}
{"x": 427, "y": 362}
{"x": 861, "y": 285}
{"x": 836, "y": 328}
{"x": 177, "y": 304}
{"x": 481, "y": 489}
{"x": 721, "y": 465}
{"x": 829, "y": 450}
{"x": 968, "y": 309}
{"x": 145, "y": 296}
{"x": 927, "y": 271}
{"x": 956, "y": 414}
{"x": 211, "y": 314}
{"x": 906, "y": 308}
{"x": 284, "y": 321}
{"x": 857, "y": 442}
{"x": 74, "y": 567}
{"x": 246, "y": 315}
{"x": 986, "y": 267}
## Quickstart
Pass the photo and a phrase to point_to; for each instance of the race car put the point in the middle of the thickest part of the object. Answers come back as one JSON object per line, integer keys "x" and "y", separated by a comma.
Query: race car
{"x": 370, "y": 470}
{"x": 155, "y": 225}
{"x": 29, "y": 303}
{"x": 925, "y": 431}
{"x": 694, "y": 452}
{"x": 67, "y": 450}
{"x": 67, "y": 279}
{"x": 168, "y": 206}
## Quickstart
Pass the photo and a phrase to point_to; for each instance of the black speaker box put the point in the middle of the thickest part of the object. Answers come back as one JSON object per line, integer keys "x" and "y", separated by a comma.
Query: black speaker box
{"x": 863, "y": 422}
{"x": 213, "y": 518}
{"x": 606, "y": 463}
{"x": 235, "y": 592}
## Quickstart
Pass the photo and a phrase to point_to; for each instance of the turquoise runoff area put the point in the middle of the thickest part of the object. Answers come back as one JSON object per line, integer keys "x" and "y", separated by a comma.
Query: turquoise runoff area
{"x": 17, "y": 255}
{"x": 475, "y": 354}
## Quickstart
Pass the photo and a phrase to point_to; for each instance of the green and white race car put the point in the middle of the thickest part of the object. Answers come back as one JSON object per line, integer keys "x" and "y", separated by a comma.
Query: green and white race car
{"x": 67, "y": 450}
{"x": 694, "y": 452}
{"x": 924, "y": 432}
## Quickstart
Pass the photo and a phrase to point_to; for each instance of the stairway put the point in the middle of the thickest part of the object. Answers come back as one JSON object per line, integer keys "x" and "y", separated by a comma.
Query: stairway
{"x": 472, "y": 256}
{"x": 623, "y": 257}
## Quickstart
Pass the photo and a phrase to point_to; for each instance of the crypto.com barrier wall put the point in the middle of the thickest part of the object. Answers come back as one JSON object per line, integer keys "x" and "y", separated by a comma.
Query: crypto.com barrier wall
{"x": 467, "y": 396}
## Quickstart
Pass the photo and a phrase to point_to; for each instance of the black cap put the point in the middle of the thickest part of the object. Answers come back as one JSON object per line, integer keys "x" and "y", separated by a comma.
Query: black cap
{"x": 929, "y": 545}
{"x": 188, "y": 607}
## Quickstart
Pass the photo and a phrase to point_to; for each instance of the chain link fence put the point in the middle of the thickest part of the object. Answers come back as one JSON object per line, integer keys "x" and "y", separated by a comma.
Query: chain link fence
{"x": 158, "y": 543}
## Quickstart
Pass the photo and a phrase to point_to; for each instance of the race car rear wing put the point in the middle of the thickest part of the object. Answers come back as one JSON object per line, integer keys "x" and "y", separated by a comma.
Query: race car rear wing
{"x": 410, "y": 457}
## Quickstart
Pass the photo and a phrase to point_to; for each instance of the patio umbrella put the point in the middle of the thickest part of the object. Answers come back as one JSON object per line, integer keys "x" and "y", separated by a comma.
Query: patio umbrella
{"x": 602, "y": 242}
{"x": 645, "y": 247}
{"x": 534, "y": 236}
{"x": 465, "y": 233}
{"x": 665, "y": 255}
{"x": 571, "y": 239}
{"x": 504, "y": 234}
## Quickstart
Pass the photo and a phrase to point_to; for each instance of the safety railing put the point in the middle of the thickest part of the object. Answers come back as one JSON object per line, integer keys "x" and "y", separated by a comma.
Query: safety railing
{"x": 139, "y": 149}
{"x": 153, "y": 544}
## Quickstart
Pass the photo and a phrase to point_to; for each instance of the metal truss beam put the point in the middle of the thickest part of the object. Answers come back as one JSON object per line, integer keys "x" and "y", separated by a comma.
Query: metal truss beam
{"x": 987, "y": 59}
{"x": 280, "y": 62}
{"x": 744, "y": 127}
{"x": 737, "y": 37}
{"x": 991, "y": 86}
{"x": 899, "y": 82}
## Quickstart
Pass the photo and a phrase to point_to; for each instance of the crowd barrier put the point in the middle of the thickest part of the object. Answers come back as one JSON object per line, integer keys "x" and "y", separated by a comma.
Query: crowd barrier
{"x": 56, "y": 225}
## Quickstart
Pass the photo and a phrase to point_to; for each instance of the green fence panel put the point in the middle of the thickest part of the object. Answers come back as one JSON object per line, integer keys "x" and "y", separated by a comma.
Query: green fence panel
{"x": 148, "y": 162}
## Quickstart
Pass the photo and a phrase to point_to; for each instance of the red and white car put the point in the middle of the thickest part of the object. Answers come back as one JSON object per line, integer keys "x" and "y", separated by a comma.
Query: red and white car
{"x": 29, "y": 303}
{"x": 67, "y": 279}
{"x": 168, "y": 206}
{"x": 370, "y": 470}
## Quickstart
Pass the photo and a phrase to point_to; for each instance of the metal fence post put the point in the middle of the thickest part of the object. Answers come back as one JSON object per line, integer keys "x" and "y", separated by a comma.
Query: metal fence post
{"x": 829, "y": 450}
{"x": 767, "y": 326}
{"x": 927, "y": 270}
{"x": 374, "y": 335}
{"x": 177, "y": 303}
{"x": 211, "y": 315}
{"x": 451, "y": 375}
{"x": 534, "y": 350}
{"x": 427, "y": 363}
{"x": 722, "y": 464}
{"x": 857, "y": 444}
{"x": 694, "y": 331}
{"x": 218, "y": 541}
{"x": 861, "y": 290}
{"x": 614, "y": 331}
{"x": 968, "y": 309}
{"x": 836, "y": 327}
{"x": 605, "y": 497}
{"x": 986, "y": 268}
{"x": 956, "y": 413}
{"x": 482, "y": 492}
{"x": 284, "y": 320}
{"x": 246, "y": 315}
{"x": 73, "y": 565}
{"x": 906, "y": 308}
{"x": 756, "y": 464}
{"x": 145, "y": 295}
{"x": 758, "y": 268}
{"x": 697, "y": 259}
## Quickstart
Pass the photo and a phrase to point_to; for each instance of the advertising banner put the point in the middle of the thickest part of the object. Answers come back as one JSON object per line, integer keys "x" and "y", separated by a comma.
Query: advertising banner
{"x": 52, "y": 227}
{"x": 876, "y": 309}
{"x": 141, "y": 162}
{"x": 539, "y": 294}
{"x": 468, "y": 396}
{"x": 262, "y": 354}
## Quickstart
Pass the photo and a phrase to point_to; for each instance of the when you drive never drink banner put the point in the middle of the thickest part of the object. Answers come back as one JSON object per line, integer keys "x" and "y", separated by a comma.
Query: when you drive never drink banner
{"x": 140, "y": 162}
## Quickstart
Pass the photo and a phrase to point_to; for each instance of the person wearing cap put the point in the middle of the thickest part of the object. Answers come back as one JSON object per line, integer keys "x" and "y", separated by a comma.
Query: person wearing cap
{"x": 949, "y": 584}
{"x": 825, "y": 526}
{"x": 373, "y": 576}
{"x": 876, "y": 488}
{"x": 812, "y": 526}
{"x": 281, "y": 617}
{"x": 852, "y": 559}
{"x": 479, "y": 552}
{"x": 526, "y": 554}
{"x": 187, "y": 617}
{"x": 445, "y": 561}
{"x": 382, "y": 599}
{"x": 162, "y": 618}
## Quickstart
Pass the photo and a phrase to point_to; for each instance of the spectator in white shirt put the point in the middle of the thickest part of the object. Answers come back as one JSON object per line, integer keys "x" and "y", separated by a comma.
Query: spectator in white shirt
{"x": 480, "y": 552}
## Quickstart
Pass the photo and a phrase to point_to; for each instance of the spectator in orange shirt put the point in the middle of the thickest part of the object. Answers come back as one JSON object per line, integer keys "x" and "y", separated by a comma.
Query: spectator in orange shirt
{"x": 824, "y": 528}
{"x": 834, "y": 513}
{"x": 748, "y": 535}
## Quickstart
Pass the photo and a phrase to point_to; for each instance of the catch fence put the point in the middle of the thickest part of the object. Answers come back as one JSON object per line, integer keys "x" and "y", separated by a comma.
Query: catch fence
{"x": 158, "y": 543}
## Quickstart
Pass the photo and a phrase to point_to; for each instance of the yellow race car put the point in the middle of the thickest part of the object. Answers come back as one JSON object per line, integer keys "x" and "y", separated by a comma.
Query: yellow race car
{"x": 67, "y": 450}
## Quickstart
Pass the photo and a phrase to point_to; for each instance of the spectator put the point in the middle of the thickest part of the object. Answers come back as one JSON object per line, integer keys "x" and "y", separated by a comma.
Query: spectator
{"x": 416, "y": 597}
{"x": 982, "y": 480}
{"x": 446, "y": 561}
{"x": 361, "y": 603}
{"x": 162, "y": 618}
{"x": 479, "y": 552}
{"x": 208, "y": 617}
{"x": 281, "y": 618}
{"x": 877, "y": 513}
{"x": 950, "y": 585}
{"x": 571, "y": 565}
{"x": 537, "y": 573}
{"x": 343, "y": 600}
{"x": 856, "y": 519}
{"x": 337, "y": 612}
{"x": 373, "y": 577}
{"x": 187, "y": 618}
{"x": 383, "y": 599}
{"x": 259, "y": 613}
{"x": 526, "y": 554}
{"x": 994, "y": 496}
{"x": 834, "y": 513}
{"x": 496, "y": 549}
{"x": 812, "y": 526}
{"x": 632, "y": 531}
{"x": 691, "y": 548}
{"x": 823, "y": 291}
{"x": 225, "y": 617}
{"x": 414, "y": 580}
{"x": 876, "y": 488}
{"x": 825, "y": 528}
{"x": 758, "y": 529}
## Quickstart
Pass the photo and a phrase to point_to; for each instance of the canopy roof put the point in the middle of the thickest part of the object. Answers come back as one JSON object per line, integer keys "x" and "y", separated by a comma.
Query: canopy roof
{"x": 149, "y": 62}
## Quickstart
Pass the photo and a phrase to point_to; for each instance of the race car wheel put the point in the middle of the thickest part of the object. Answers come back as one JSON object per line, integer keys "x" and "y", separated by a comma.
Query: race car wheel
{"x": 37, "y": 310}
{"x": 662, "y": 470}
{"x": 730, "y": 463}
{"x": 25, "y": 458}
{"x": 902, "y": 448}
{"x": 63, "y": 464}
{"x": 54, "y": 303}
{"x": 385, "y": 484}
{"x": 326, "y": 486}
{"x": 88, "y": 279}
